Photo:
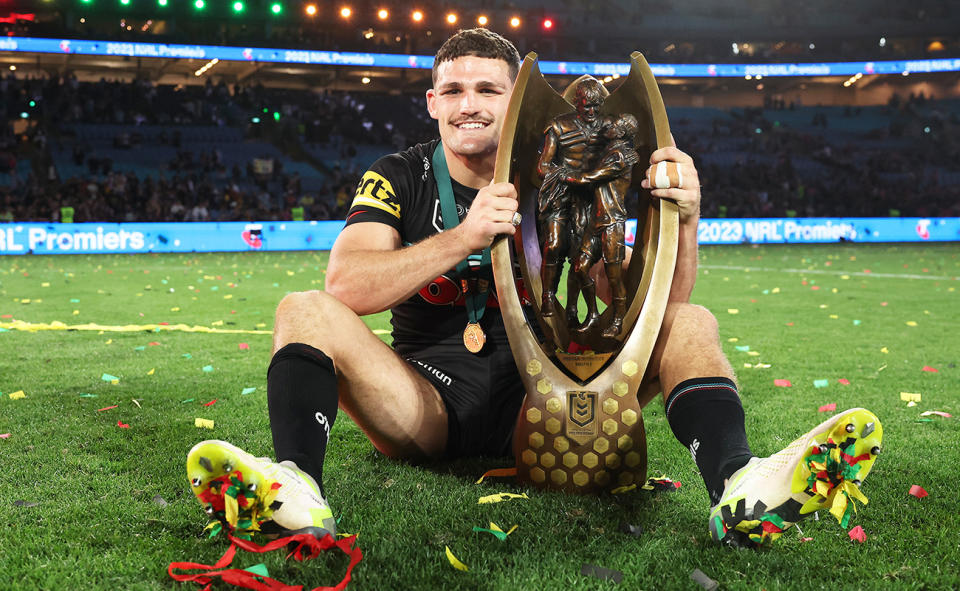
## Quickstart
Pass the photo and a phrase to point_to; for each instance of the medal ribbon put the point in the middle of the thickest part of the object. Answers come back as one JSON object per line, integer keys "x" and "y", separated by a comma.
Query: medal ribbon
{"x": 476, "y": 298}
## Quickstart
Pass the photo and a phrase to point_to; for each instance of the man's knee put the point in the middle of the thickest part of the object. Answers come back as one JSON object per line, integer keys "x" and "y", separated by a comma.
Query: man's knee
{"x": 691, "y": 319}
{"x": 303, "y": 311}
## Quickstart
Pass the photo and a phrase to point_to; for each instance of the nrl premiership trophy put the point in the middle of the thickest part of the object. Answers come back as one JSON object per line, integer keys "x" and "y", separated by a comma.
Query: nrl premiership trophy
{"x": 575, "y": 158}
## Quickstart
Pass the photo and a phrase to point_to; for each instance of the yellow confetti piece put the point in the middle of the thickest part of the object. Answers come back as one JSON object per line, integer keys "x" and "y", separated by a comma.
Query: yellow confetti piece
{"x": 775, "y": 290}
{"x": 622, "y": 489}
{"x": 844, "y": 277}
{"x": 453, "y": 559}
{"x": 76, "y": 312}
{"x": 834, "y": 290}
{"x": 884, "y": 350}
{"x": 175, "y": 309}
{"x": 733, "y": 340}
{"x": 217, "y": 323}
{"x": 229, "y": 296}
{"x": 45, "y": 284}
{"x": 910, "y": 397}
{"x": 496, "y": 498}
{"x": 753, "y": 353}
{"x": 152, "y": 370}
{"x": 911, "y": 323}
{"x": 109, "y": 341}
{"x": 57, "y": 325}
{"x": 230, "y": 509}
{"x": 381, "y": 331}
{"x": 834, "y": 316}
{"x": 733, "y": 311}
{"x": 25, "y": 301}
{"x": 203, "y": 423}
{"x": 824, "y": 306}
{"x": 17, "y": 395}
{"x": 747, "y": 366}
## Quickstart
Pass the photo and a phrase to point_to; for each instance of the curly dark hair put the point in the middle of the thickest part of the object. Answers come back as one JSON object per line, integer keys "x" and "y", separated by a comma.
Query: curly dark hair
{"x": 478, "y": 42}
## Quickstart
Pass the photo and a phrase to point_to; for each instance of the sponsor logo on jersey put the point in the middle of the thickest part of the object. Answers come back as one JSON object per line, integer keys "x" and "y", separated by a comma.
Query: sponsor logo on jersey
{"x": 376, "y": 191}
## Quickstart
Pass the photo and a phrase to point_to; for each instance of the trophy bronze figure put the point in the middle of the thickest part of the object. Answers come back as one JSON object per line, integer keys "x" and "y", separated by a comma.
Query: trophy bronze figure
{"x": 574, "y": 159}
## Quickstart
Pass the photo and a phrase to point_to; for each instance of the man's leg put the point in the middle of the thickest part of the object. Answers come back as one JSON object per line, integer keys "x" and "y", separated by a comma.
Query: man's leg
{"x": 700, "y": 393}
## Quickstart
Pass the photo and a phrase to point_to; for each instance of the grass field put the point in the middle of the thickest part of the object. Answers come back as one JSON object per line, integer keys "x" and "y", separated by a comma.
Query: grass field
{"x": 108, "y": 507}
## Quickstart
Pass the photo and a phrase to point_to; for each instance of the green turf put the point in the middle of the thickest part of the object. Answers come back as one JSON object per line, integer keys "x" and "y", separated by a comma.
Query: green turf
{"x": 97, "y": 525}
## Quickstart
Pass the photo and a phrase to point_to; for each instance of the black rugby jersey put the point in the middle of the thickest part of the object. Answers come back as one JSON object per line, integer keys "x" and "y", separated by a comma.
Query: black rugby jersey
{"x": 400, "y": 190}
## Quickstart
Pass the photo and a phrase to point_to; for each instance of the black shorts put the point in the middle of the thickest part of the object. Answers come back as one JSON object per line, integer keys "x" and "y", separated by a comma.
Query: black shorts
{"x": 482, "y": 393}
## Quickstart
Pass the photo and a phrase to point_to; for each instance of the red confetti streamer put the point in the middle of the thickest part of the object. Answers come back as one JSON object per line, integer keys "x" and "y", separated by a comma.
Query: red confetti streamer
{"x": 858, "y": 534}
{"x": 782, "y": 383}
{"x": 806, "y": 539}
{"x": 7, "y": 316}
{"x": 918, "y": 491}
{"x": 930, "y": 369}
{"x": 107, "y": 408}
{"x": 154, "y": 344}
{"x": 815, "y": 287}
{"x": 843, "y": 382}
{"x": 122, "y": 425}
{"x": 828, "y": 407}
{"x": 211, "y": 403}
{"x": 243, "y": 346}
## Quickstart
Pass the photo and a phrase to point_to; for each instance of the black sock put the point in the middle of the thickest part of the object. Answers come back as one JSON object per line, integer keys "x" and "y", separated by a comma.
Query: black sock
{"x": 302, "y": 400}
{"x": 707, "y": 418}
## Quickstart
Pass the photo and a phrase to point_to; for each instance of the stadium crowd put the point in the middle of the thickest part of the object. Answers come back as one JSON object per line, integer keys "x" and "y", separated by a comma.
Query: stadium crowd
{"x": 751, "y": 164}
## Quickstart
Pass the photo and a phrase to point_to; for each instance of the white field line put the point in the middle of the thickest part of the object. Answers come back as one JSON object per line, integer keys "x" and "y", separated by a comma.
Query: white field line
{"x": 825, "y": 272}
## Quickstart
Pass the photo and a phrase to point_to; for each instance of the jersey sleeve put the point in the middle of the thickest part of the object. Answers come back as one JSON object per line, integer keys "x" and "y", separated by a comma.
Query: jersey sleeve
{"x": 382, "y": 193}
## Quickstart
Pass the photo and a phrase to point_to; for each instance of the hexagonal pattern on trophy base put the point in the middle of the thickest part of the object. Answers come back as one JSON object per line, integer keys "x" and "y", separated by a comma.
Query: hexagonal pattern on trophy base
{"x": 552, "y": 451}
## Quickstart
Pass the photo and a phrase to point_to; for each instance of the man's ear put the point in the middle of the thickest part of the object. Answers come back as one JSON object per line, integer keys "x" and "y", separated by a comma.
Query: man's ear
{"x": 431, "y": 103}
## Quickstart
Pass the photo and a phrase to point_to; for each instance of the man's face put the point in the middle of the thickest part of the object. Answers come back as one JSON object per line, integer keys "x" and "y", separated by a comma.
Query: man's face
{"x": 469, "y": 102}
{"x": 588, "y": 108}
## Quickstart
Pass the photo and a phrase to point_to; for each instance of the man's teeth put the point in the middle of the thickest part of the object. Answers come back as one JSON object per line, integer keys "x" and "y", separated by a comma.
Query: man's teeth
{"x": 471, "y": 125}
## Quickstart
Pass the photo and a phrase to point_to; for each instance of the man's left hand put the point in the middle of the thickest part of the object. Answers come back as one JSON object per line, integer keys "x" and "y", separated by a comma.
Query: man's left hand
{"x": 687, "y": 195}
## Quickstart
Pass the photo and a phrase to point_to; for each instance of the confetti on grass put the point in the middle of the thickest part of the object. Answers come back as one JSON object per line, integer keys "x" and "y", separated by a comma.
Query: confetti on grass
{"x": 700, "y": 578}
{"x": 939, "y": 413}
{"x": 929, "y": 369}
{"x": 918, "y": 491}
{"x": 203, "y": 423}
{"x": 17, "y": 395}
{"x": 858, "y": 534}
{"x": 782, "y": 383}
{"x": 4, "y": 435}
{"x": 110, "y": 378}
{"x": 454, "y": 561}
{"x": 592, "y": 570}
{"x": 828, "y": 407}
{"x": 122, "y": 425}
{"x": 498, "y": 497}
{"x": 910, "y": 397}
{"x": 248, "y": 391}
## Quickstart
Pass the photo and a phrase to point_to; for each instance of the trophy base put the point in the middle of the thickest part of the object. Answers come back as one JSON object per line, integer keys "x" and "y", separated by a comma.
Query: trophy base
{"x": 582, "y": 439}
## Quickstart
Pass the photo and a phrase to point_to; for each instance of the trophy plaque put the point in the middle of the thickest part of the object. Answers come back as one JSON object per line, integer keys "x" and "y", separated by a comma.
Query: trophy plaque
{"x": 575, "y": 159}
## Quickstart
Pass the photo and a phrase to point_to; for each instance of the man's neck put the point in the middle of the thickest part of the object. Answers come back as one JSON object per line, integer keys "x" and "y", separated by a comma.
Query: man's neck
{"x": 475, "y": 172}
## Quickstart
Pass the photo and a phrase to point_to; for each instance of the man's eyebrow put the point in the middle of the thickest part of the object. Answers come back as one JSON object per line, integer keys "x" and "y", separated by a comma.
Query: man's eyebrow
{"x": 479, "y": 84}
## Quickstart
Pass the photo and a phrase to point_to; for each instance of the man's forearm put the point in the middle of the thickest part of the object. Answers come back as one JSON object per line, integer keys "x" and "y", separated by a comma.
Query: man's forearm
{"x": 685, "y": 273}
{"x": 371, "y": 281}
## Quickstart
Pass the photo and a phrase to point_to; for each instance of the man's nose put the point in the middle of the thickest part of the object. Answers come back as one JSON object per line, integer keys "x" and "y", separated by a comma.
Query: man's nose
{"x": 468, "y": 103}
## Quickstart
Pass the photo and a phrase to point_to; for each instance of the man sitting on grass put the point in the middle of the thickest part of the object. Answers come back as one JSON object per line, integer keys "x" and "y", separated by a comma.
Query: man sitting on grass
{"x": 428, "y": 397}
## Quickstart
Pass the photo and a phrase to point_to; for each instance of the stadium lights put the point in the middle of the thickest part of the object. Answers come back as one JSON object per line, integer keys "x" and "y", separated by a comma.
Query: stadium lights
{"x": 238, "y": 6}
{"x": 547, "y": 23}
{"x": 417, "y": 16}
{"x": 452, "y": 18}
{"x": 482, "y": 20}
{"x": 365, "y": 80}
{"x": 515, "y": 22}
{"x": 276, "y": 8}
{"x": 206, "y": 67}
{"x": 883, "y": 41}
{"x": 199, "y": 4}
{"x": 345, "y": 12}
{"x": 125, "y": 2}
{"x": 311, "y": 9}
{"x": 383, "y": 14}
{"x": 161, "y": 3}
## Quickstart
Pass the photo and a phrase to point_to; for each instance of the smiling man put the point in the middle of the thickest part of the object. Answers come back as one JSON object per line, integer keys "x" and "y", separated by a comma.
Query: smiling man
{"x": 415, "y": 243}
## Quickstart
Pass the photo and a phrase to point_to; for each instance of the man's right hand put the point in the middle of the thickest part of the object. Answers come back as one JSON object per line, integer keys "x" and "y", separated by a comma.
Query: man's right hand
{"x": 490, "y": 215}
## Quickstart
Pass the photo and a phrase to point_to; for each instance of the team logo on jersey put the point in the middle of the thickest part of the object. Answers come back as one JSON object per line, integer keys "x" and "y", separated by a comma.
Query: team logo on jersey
{"x": 377, "y": 192}
{"x": 581, "y": 415}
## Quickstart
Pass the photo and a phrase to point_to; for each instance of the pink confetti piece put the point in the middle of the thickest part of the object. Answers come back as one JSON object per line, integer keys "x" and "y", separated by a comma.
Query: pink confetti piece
{"x": 243, "y": 346}
{"x": 4, "y": 435}
{"x": 211, "y": 403}
{"x": 789, "y": 324}
{"x": 939, "y": 413}
{"x": 7, "y": 316}
{"x": 918, "y": 491}
{"x": 815, "y": 287}
{"x": 107, "y": 408}
{"x": 930, "y": 369}
{"x": 843, "y": 382}
{"x": 154, "y": 344}
{"x": 828, "y": 407}
{"x": 858, "y": 534}
{"x": 122, "y": 425}
{"x": 806, "y": 539}
{"x": 883, "y": 303}
{"x": 782, "y": 383}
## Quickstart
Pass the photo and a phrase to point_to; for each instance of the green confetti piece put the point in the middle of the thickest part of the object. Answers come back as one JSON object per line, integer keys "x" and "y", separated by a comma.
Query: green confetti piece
{"x": 187, "y": 400}
{"x": 74, "y": 301}
{"x": 248, "y": 391}
{"x": 4, "y": 330}
{"x": 856, "y": 323}
{"x": 259, "y": 570}
{"x": 215, "y": 288}
{"x": 924, "y": 421}
{"x": 208, "y": 368}
{"x": 140, "y": 348}
{"x": 88, "y": 396}
{"x": 743, "y": 348}
{"x": 108, "y": 378}
{"x": 502, "y": 536}
{"x": 187, "y": 356}
{"x": 821, "y": 383}
{"x": 766, "y": 292}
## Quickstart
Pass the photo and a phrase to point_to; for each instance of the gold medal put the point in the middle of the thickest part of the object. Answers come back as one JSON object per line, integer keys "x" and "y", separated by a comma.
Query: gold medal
{"x": 474, "y": 337}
